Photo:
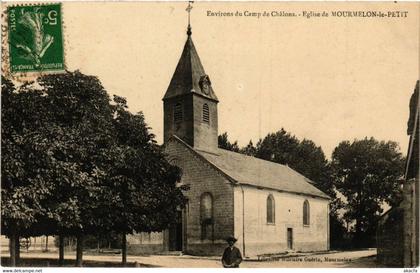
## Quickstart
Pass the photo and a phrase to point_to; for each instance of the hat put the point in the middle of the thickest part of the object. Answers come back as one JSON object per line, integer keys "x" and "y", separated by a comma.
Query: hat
{"x": 231, "y": 239}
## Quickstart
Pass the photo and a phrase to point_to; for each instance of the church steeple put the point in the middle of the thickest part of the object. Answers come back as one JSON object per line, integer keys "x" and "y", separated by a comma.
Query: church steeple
{"x": 190, "y": 104}
{"x": 189, "y": 75}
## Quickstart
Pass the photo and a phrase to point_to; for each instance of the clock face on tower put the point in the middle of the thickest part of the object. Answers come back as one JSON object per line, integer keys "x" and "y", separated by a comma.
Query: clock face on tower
{"x": 205, "y": 84}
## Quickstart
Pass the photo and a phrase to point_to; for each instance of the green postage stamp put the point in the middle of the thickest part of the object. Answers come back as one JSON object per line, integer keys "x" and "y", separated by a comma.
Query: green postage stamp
{"x": 35, "y": 38}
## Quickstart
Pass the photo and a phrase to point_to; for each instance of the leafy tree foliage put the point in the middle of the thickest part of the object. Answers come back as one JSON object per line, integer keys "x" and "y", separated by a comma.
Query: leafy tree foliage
{"x": 249, "y": 149}
{"x": 366, "y": 172}
{"x": 224, "y": 143}
{"x": 74, "y": 163}
{"x": 142, "y": 192}
{"x": 303, "y": 156}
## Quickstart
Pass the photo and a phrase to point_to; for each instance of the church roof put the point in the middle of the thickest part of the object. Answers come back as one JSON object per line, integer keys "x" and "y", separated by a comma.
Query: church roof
{"x": 188, "y": 74}
{"x": 252, "y": 171}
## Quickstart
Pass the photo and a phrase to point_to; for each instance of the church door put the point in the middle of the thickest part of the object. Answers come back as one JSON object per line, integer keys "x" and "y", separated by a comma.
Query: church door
{"x": 175, "y": 234}
{"x": 290, "y": 238}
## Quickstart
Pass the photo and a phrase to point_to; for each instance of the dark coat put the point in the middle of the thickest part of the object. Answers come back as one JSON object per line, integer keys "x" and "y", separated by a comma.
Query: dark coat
{"x": 231, "y": 257}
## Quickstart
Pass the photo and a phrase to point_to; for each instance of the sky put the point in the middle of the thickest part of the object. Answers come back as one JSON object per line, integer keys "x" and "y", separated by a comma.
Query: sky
{"x": 326, "y": 79}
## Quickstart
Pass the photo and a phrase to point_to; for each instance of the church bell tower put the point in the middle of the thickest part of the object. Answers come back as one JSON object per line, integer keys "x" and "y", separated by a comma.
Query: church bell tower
{"x": 190, "y": 104}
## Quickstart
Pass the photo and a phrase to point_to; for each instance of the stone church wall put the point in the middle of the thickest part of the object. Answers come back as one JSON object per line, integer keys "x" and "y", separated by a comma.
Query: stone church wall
{"x": 202, "y": 177}
{"x": 266, "y": 238}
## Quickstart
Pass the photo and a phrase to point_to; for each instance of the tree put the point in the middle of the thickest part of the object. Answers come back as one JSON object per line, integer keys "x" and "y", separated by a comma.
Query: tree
{"x": 142, "y": 195}
{"x": 302, "y": 156}
{"x": 74, "y": 163}
{"x": 224, "y": 143}
{"x": 77, "y": 135}
{"x": 53, "y": 136}
{"x": 13, "y": 214}
{"x": 366, "y": 172}
{"x": 280, "y": 147}
{"x": 23, "y": 184}
{"x": 249, "y": 149}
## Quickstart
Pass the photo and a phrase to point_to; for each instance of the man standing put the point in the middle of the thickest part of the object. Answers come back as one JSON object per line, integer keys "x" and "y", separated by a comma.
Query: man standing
{"x": 231, "y": 256}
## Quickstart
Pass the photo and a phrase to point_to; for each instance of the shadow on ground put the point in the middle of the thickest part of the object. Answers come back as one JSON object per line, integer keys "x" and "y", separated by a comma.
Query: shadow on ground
{"x": 49, "y": 262}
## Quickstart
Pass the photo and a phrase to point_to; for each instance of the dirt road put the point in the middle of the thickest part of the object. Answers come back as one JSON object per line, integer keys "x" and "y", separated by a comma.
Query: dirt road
{"x": 362, "y": 258}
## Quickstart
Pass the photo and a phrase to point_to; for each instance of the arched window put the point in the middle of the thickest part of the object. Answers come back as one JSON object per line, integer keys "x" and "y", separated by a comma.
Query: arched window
{"x": 270, "y": 209}
{"x": 306, "y": 213}
{"x": 206, "y": 216}
{"x": 206, "y": 113}
{"x": 178, "y": 112}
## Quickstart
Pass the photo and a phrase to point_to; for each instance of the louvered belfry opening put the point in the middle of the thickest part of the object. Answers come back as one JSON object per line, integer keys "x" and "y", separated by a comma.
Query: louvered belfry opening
{"x": 206, "y": 113}
{"x": 178, "y": 112}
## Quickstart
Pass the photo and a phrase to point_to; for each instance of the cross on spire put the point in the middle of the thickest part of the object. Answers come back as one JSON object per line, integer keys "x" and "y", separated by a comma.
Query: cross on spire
{"x": 188, "y": 9}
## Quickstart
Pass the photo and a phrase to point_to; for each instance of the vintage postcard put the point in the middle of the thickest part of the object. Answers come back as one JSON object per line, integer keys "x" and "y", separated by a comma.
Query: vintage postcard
{"x": 203, "y": 134}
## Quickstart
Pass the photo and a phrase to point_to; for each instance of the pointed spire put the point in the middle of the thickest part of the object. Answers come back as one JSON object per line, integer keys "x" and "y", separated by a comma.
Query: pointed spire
{"x": 189, "y": 75}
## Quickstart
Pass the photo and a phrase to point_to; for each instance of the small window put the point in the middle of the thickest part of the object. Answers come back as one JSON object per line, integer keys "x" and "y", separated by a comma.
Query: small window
{"x": 306, "y": 213}
{"x": 178, "y": 112}
{"x": 206, "y": 216}
{"x": 206, "y": 113}
{"x": 270, "y": 209}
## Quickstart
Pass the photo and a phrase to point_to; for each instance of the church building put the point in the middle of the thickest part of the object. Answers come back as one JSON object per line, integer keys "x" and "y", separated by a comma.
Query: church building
{"x": 268, "y": 207}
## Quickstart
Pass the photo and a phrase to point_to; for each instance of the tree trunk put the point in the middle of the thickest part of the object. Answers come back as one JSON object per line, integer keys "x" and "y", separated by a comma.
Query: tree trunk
{"x": 12, "y": 249}
{"x": 358, "y": 228}
{"x": 46, "y": 244}
{"x": 61, "y": 250}
{"x": 357, "y": 235}
{"x": 71, "y": 244}
{"x": 124, "y": 249}
{"x": 79, "y": 251}
{"x": 17, "y": 249}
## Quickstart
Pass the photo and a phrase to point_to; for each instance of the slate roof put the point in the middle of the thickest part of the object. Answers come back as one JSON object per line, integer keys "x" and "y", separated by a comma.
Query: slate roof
{"x": 252, "y": 171}
{"x": 187, "y": 74}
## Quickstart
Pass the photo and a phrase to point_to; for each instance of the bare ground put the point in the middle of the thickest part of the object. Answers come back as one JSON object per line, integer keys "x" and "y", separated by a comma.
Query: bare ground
{"x": 343, "y": 259}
